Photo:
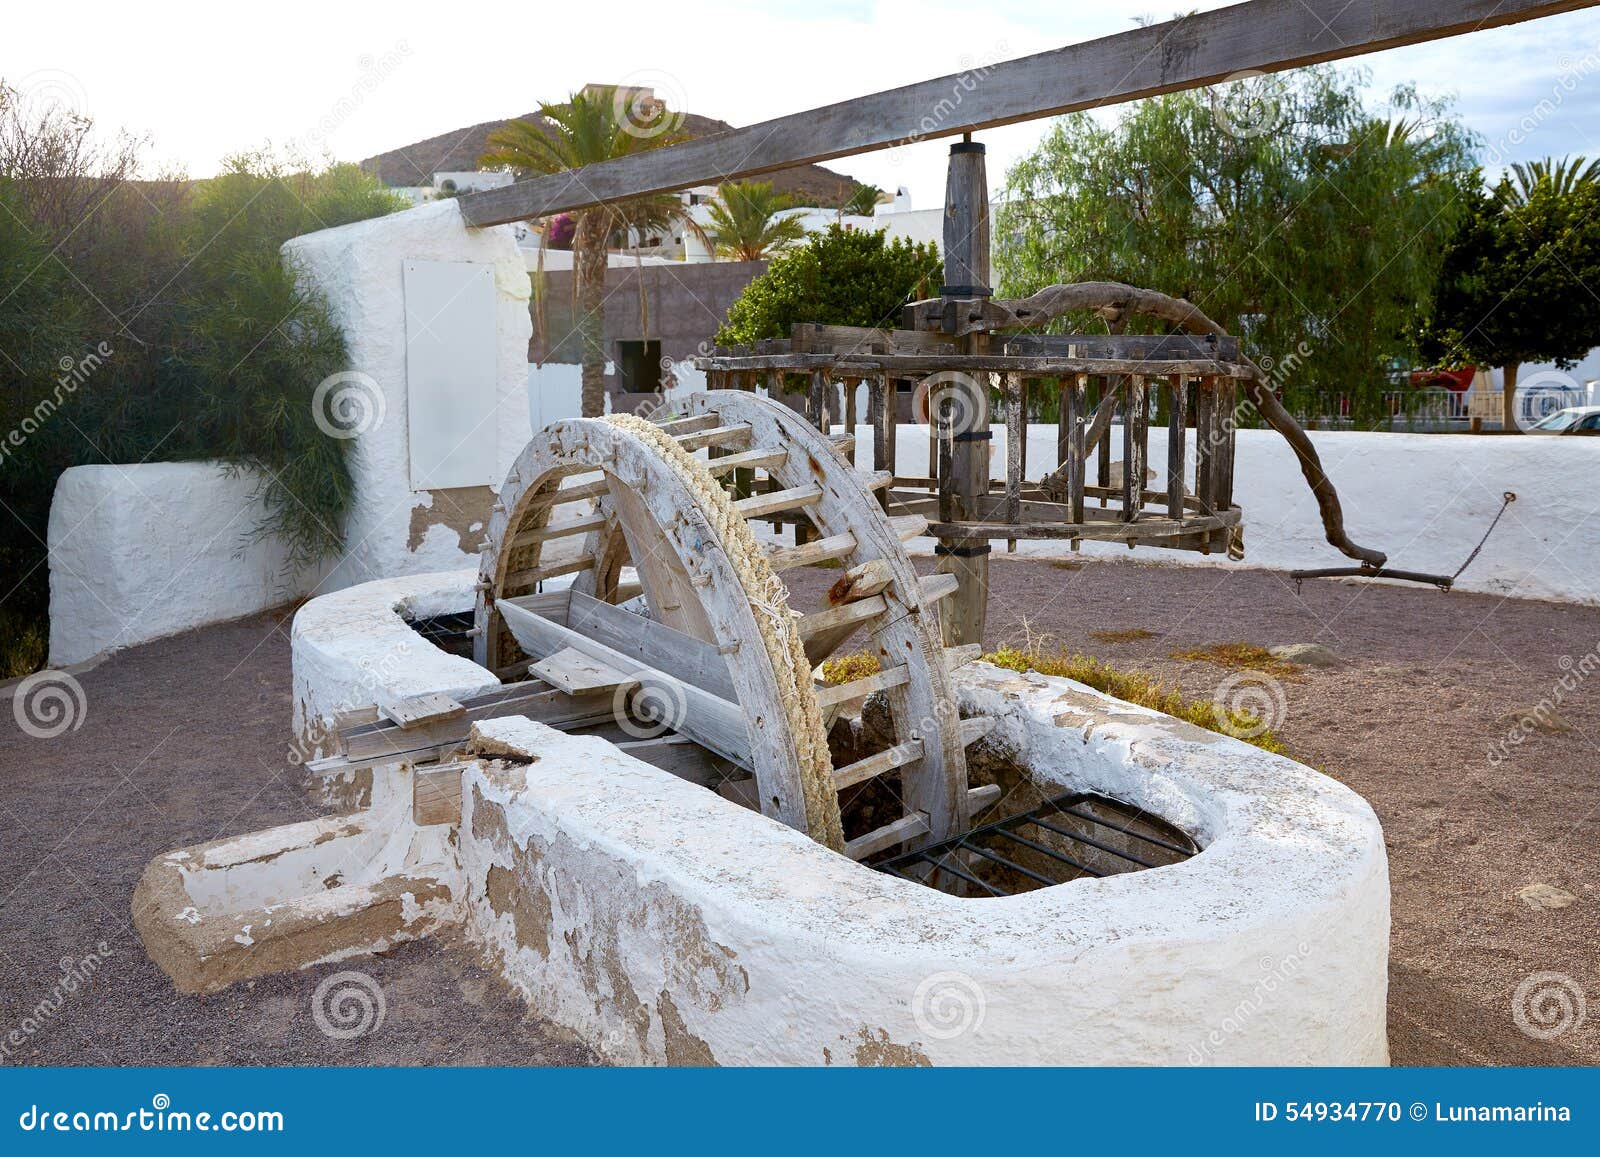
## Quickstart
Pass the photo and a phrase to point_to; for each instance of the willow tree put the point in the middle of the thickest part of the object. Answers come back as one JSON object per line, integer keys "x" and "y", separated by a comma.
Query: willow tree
{"x": 1281, "y": 206}
{"x": 597, "y": 124}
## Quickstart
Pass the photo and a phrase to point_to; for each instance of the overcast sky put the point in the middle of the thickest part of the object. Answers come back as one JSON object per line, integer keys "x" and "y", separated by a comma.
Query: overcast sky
{"x": 349, "y": 79}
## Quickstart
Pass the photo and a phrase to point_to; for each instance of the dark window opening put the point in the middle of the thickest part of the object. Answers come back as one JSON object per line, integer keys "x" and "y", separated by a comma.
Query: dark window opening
{"x": 639, "y": 366}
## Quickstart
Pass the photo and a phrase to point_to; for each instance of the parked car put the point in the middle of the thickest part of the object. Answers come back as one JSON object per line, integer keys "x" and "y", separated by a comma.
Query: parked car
{"x": 1572, "y": 420}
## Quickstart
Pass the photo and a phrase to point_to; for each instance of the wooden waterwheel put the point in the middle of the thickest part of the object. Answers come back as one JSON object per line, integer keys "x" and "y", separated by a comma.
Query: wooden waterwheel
{"x": 692, "y": 639}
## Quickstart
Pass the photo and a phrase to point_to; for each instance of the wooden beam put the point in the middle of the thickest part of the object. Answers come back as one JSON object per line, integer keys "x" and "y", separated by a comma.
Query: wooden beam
{"x": 1191, "y": 51}
{"x": 708, "y": 719}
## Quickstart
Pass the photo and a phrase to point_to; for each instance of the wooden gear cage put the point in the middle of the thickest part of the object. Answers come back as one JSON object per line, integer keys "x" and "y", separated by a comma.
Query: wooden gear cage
{"x": 1193, "y": 378}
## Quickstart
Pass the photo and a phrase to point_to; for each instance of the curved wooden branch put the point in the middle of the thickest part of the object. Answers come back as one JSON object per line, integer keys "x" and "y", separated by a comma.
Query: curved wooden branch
{"x": 1116, "y": 302}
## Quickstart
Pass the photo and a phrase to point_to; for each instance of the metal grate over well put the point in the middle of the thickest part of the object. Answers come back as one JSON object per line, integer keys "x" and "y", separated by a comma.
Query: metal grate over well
{"x": 1065, "y": 838}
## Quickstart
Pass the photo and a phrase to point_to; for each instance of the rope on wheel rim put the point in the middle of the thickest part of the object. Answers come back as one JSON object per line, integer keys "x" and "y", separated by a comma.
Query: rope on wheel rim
{"x": 780, "y": 637}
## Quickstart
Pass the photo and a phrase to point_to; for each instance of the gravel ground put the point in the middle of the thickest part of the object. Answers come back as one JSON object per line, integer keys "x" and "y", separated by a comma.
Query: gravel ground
{"x": 183, "y": 741}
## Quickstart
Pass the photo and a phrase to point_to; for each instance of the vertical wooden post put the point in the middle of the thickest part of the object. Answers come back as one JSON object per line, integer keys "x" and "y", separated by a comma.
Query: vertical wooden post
{"x": 882, "y": 400}
{"x": 1135, "y": 448}
{"x": 1177, "y": 408}
{"x": 966, "y": 277}
{"x": 1102, "y": 474}
{"x": 1205, "y": 447}
{"x": 1075, "y": 401}
{"x": 1016, "y": 450}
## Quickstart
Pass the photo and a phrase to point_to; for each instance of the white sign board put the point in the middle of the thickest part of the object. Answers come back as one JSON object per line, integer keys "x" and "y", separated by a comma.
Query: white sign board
{"x": 450, "y": 373}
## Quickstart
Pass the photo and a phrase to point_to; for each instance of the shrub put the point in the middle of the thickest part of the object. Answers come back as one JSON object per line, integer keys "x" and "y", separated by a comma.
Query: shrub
{"x": 188, "y": 337}
{"x": 839, "y": 277}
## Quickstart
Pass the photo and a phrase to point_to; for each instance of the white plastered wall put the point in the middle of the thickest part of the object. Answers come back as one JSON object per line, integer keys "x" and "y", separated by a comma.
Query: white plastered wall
{"x": 1425, "y": 499}
{"x": 143, "y": 551}
{"x": 663, "y": 923}
{"x": 359, "y": 268}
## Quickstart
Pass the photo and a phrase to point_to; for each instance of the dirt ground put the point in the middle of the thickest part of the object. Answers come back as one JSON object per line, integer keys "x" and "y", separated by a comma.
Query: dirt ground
{"x": 183, "y": 740}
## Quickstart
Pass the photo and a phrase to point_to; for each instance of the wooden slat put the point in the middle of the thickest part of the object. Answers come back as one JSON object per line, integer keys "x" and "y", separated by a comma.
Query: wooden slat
{"x": 748, "y": 460}
{"x": 775, "y": 501}
{"x": 436, "y": 795}
{"x": 572, "y": 671}
{"x": 979, "y": 798}
{"x": 847, "y": 615}
{"x": 569, "y": 494}
{"x": 887, "y": 836}
{"x": 552, "y": 570}
{"x": 937, "y": 586}
{"x": 875, "y": 765}
{"x": 858, "y": 689}
{"x": 708, "y": 719}
{"x": 1016, "y": 446}
{"x": 1145, "y": 530}
{"x": 909, "y": 526}
{"x": 835, "y": 546}
{"x": 1193, "y": 50}
{"x": 874, "y": 480}
{"x": 411, "y": 711}
{"x": 385, "y": 742}
{"x": 650, "y": 644}
{"x": 562, "y": 529}
{"x": 716, "y": 436}
{"x": 1075, "y": 396}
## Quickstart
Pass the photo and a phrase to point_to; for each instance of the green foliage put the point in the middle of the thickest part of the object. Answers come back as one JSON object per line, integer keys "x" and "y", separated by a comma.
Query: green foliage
{"x": 591, "y": 126}
{"x": 838, "y": 277}
{"x": 748, "y": 223}
{"x": 863, "y": 202}
{"x": 1517, "y": 277}
{"x": 164, "y": 327}
{"x": 1288, "y": 212}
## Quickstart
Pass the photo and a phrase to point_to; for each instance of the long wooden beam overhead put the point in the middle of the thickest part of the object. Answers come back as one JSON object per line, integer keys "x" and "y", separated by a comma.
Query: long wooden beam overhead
{"x": 1189, "y": 52}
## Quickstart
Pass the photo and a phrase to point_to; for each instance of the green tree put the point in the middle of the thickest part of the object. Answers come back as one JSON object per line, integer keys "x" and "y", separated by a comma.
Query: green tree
{"x": 594, "y": 125}
{"x": 158, "y": 322}
{"x": 838, "y": 277}
{"x": 863, "y": 202}
{"x": 1518, "y": 278}
{"x": 1282, "y": 207}
{"x": 1564, "y": 175}
{"x": 749, "y": 222}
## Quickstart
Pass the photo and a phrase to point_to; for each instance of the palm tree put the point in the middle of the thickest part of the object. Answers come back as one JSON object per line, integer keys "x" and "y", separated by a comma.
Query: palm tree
{"x": 1564, "y": 176}
{"x": 863, "y": 202}
{"x": 749, "y": 222}
{"x": 592, "y": 126}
